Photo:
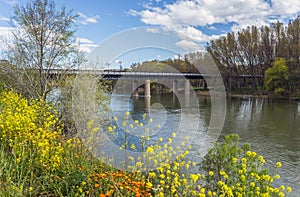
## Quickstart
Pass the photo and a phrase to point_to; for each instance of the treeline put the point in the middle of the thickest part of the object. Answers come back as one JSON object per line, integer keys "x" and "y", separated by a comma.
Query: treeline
{"x": 244, "y": 57}
{"x": 170, "y": 65}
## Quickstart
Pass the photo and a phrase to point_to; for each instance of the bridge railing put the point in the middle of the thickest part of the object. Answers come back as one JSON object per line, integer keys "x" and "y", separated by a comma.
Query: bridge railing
{"x": 118, "y": 74}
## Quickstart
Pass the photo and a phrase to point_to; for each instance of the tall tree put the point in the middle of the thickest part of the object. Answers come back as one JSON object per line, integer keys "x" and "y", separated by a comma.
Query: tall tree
{"x": 43, "y": 40}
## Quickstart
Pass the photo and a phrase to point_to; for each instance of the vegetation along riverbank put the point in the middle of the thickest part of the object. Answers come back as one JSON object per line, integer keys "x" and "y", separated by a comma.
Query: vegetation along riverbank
{"x": 43, "y": 151}
{"x": 38, "y": 159}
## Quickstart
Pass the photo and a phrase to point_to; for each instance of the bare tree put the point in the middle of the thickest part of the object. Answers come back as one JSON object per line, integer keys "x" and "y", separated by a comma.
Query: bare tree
{"x": 43, "y": 40}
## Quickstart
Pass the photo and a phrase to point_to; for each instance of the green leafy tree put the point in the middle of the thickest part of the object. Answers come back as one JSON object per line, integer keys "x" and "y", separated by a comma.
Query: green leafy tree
{"x": 277, "y": 77}
{"x": 43, "y": 39}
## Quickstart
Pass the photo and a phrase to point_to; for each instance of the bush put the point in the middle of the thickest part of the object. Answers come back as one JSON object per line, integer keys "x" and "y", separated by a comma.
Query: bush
{"x": 237, "y": 171}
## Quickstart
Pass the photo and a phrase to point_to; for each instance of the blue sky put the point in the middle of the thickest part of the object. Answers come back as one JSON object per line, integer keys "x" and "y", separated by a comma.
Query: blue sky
{"x": 194, "y": 22}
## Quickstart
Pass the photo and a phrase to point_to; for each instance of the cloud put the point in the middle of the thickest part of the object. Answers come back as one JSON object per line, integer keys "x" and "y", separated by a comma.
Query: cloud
{"x": 84, "y": 19}
{"x": 4, "y": 19}
{"x": 191, "y": 33}
{"x": 5, "y": 31}
{"x": 10, "y": 2}
{"x": 285, "y": 8}
{"x": 153, "y": 30}
{"x": 188, "y": 45}
{"x": 5, "y": 38}
{"x": 187, "y": 16}
{"x": 85, "y": 44}
{"x": 212, "y": 28}
{"x": 202, "y": 12}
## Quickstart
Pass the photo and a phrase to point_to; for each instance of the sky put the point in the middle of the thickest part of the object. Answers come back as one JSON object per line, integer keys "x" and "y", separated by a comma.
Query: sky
{"x": 193, "y": 22}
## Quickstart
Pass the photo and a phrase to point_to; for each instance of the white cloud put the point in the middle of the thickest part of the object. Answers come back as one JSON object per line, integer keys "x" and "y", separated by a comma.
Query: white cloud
{"x": 188, "y": 45}
{"x": 191, "y": 33}
{"x": 213, "y": 37}
{"x": 153, "y": 30}
{"x": 84, "y": 19}
{"x": 4, "y": 19}
{"x": 85, "y": 44}
{"x": 285, "y": 8}
{"x": 5, "y": 37}
{"x": 10, "y": 2}
{"x": 186, "y": 16}
{"x": 5, "y": 31}
{"x": 212, "y": 28}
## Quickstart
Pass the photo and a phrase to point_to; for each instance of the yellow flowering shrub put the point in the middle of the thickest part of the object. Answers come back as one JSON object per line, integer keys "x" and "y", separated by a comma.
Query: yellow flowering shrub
{"x": 164, "y": 169}
{"x": 30, "y": 126}
{"x": 234, "y": 171}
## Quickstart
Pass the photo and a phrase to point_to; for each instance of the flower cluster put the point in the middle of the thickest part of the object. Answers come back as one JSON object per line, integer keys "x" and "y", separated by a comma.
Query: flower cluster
{"x": 30, "y": 127}
{"x": 241, "y": 172}
{"x": 165, "y": 166}
{"x": 117, "y": 183}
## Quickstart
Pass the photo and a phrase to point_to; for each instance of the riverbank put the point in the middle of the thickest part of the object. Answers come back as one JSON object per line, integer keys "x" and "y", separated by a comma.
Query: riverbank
{"x": 256, "y": 96}
{"x": 38, "y": 159}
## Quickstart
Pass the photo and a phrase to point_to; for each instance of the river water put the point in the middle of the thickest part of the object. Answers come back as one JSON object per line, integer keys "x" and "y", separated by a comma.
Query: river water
{"x": 271, "y": 127}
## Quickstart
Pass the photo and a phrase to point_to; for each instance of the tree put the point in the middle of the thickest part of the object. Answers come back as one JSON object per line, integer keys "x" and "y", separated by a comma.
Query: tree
{"x": 43, "y": 39}
{"x": 277, "y": 77}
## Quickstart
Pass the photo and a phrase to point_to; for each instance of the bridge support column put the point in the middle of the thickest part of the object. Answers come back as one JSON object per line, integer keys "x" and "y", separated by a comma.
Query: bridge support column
{"x": 147, "y": 104}
{"x": 147, "y": 88}
{"x": 135, "y": 89}
{"x": 187, "y": 87}
{"x": 175, "y": 86}
{"x": 204, "y": 85}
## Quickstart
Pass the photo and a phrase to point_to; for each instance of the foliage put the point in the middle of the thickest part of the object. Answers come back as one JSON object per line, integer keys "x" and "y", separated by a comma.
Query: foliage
{"x": 36, "y": 159}
{"x": 237, "y": 171}
{"x": 252, "y": 50}
{"x": 42, "y": 40}
{"x": 169, "y": 65}
{"x": 277, "y": 77}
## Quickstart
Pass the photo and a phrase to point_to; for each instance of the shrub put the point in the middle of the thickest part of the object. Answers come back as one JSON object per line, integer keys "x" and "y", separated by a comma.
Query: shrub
{"x": 231, "y": 170}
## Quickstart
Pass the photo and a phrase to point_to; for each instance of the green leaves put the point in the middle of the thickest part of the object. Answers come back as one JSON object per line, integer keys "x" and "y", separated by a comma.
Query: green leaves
{"x": 277, "y": 77}
{"x": 234, "y": 170}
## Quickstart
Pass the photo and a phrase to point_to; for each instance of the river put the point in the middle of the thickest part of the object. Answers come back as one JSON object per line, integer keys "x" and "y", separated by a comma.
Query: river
{"x": 271, "y": 127}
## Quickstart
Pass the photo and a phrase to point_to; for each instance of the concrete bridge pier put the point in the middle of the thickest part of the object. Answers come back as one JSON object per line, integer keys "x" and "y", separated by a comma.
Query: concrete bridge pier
{"x": 187, "y": 87}
{"x": 175, "y": 86}
{"x": 135, "y": 89}
{"x": 203, "y": 84}
{"x": 147, "y": 88}
{"x": 187, "y": 100}
{"x": 147, "y": 104}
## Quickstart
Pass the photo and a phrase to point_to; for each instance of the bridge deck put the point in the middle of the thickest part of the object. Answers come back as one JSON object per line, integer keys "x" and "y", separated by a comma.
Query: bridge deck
{"x": 112, "y": 74}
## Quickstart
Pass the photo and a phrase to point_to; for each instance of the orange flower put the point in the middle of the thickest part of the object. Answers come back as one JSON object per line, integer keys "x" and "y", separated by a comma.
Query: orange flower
{"x": 137, "y": 195}
{"x": 96, "y": 185}
{"x": 102, "y": 175}
{"x": 110, "y": 192}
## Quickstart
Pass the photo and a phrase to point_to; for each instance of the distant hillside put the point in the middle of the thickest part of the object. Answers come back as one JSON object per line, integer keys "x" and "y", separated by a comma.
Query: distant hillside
{"x": 170, "y": 65}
